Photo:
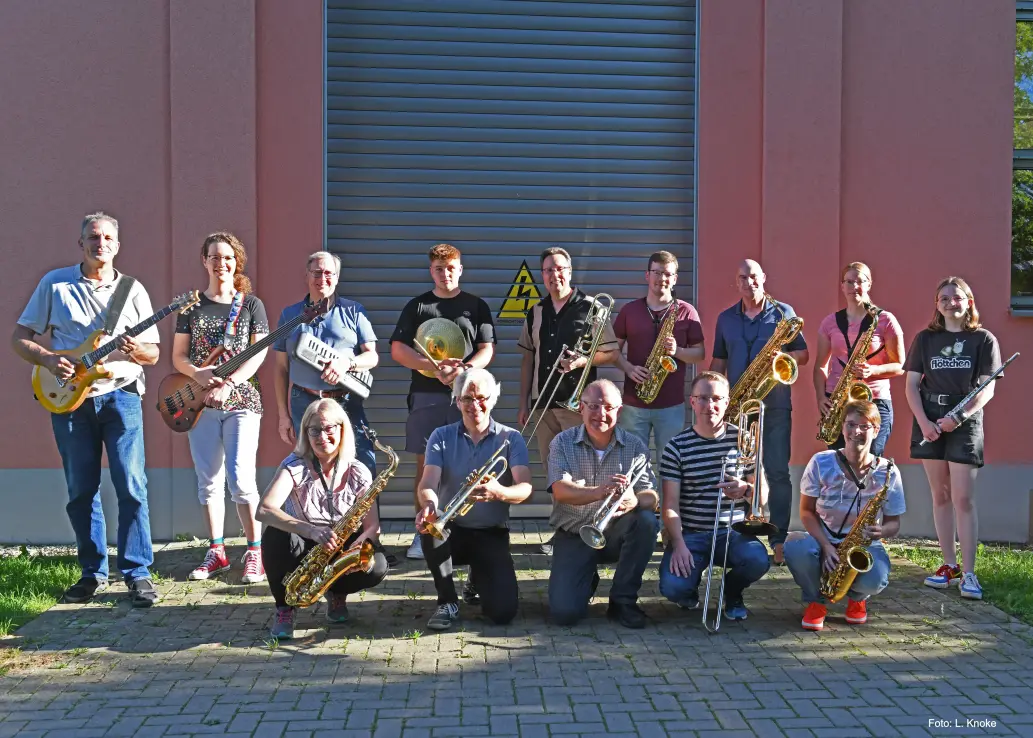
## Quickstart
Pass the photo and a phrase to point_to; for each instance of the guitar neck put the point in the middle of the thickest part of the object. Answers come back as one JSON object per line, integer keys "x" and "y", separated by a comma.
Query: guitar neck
{"x": 238, "y": 360}
{"x": 98, "y": 354}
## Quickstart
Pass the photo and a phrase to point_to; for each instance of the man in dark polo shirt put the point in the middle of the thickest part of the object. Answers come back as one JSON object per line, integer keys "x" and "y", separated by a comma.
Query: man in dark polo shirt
{"x": 481, "y": 537}
{"x": 430, "y": 398}
{"x": 638, "y": 327}
{"x": 560, "y": 319}
{"x": 741, "y": 333}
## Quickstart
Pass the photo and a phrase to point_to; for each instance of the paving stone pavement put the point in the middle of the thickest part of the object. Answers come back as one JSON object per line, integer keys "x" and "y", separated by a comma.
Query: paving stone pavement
{"x": 202, "y": 663}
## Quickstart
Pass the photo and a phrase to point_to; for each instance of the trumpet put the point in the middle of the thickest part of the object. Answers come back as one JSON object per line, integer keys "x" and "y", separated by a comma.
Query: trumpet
{"x": 586, "y": 346}
{"x": 592, "y": 533}
{"x": 461, "y": 504}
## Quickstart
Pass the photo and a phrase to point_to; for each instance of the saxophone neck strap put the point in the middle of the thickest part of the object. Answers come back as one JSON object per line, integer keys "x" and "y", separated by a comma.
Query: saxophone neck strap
{"x": 328, "y": 489}
{"x": 843, "y": 323}
{"x": 860, "y": 484}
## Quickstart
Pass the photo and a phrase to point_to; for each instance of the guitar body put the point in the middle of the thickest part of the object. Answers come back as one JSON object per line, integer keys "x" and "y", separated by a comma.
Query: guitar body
{"x": 62, "y": 397}
{"x": 181, "y": 399}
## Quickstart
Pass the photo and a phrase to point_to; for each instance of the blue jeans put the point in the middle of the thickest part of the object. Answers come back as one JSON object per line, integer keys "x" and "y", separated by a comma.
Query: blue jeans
{"x": 665, "y": 423}
{"x": 356, "y": 414}
{"x": 885, "y": 427}
{"x": 111, "y": 422}
{"x": 778, "y": 428}
{"x": 747, "y": 562}
{"x": 803, "y": 557}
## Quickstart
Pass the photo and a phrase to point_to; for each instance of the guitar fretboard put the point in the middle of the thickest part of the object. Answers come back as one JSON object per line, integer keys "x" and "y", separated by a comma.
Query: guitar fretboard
{"x": 97, "y": 354}
{"x": 235, "y": 363}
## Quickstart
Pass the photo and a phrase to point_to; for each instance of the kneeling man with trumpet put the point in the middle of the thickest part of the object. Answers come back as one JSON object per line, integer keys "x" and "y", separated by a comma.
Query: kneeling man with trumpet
{"x": 474, "y": 470}
{"x": 844, "y": 495}
{"x": 602, "y": 486}
{"x": 702, "y": 466}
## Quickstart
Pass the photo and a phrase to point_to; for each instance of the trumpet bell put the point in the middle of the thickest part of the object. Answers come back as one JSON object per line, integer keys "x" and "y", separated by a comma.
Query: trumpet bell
{"x": 442, "y": 339}
{"x": 593, "y": 537}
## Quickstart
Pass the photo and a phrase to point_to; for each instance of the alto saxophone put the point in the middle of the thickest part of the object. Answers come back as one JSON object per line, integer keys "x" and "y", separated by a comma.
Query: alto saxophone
{"x": 848, "y": 388}
{"x": 321, "y": 568}
{"x": 770, "y": 367}
{"x": 659, "y": 364}
{"x": 854, "y": 556}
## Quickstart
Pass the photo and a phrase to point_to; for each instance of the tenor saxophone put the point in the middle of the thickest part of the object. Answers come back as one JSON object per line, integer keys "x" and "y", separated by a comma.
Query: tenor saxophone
{"x": 320, "y": 568}
{"x": 848, "y": 388}
{"x": 770, "y": 367}
{"x": 659, "y": 364}
{"x": 854, "y": 556}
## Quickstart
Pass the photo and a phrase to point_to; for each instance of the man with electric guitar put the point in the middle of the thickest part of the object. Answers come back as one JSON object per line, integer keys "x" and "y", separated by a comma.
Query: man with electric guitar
{"x": 101, "y": 404}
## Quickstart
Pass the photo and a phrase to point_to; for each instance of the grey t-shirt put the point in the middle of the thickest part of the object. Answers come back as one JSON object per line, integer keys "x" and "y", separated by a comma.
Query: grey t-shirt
{"x": 70, "y": 307}
{"x": 452, "y": 450}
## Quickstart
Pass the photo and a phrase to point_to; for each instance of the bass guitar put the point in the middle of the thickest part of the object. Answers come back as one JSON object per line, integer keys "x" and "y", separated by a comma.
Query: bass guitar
{"x": 181, "y": 399}
{"x": 65, "y": 395}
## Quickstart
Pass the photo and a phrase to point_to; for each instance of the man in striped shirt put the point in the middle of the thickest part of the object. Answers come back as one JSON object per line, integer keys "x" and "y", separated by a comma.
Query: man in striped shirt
{"x": 586, "y": 464}
{"x": 690, "y": 468}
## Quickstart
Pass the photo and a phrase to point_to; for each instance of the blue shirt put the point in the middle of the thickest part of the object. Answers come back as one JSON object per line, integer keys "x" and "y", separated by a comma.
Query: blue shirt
{"x": 738, "y": 339}
{"x": 344, "y": 328}
{"x": 452, "y": 450}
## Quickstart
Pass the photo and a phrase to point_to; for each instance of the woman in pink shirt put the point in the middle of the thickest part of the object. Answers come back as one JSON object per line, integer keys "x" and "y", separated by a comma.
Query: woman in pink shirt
{"x": 837, "y": 336}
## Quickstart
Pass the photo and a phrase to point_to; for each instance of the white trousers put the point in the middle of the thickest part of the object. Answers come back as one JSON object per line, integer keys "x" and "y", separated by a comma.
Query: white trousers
{"x": 224, "y": 445}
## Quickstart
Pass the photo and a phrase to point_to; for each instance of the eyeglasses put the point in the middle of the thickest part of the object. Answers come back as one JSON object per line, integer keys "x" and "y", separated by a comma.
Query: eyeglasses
{"x": 555, "y": 270}
{"x": 715, "y": 399}
{"x": 855, "y": 282}
{"x": 851, "y": 427}
{"x": 658, "y": 273}
{"x": 595, "y": 406}
{"x": 325, "y": 274}
{"x": 226, "y": 257}
{"x": 480, "y": 400}
{"x": 960, "y": 299}
{"x": 315, "y": 431}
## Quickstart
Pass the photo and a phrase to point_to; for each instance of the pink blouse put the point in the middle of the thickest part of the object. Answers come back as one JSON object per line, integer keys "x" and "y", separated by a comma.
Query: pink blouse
{"x": 308, "y": 502}
{"x": 887, "y": 327}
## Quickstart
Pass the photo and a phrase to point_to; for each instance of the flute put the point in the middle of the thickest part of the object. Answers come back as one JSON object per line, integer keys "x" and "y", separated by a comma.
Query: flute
{"x": 956, "y": 411}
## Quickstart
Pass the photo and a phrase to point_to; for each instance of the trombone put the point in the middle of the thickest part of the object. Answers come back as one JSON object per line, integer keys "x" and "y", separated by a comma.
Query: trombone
{"x": 592, "y": 533}
{"x": 460, "y": 504}
{"x": 715, "y": 625}
{"x": 587, "y": 345}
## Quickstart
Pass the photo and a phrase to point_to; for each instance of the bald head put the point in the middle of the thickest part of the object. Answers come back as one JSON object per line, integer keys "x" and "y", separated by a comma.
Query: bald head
{"x": 750, "y": 281}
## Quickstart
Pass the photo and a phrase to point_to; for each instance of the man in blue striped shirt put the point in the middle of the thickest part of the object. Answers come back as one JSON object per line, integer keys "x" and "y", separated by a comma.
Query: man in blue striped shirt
{"x": 690, "y": 468}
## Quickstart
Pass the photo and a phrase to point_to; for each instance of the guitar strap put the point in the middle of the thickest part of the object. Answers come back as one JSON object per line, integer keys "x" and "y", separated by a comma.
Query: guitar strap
{"x": 118, "y": 303}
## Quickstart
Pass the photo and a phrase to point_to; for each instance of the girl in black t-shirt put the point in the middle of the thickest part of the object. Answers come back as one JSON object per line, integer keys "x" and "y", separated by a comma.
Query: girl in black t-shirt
{"x": 946, "y": 361}
{"x": 224, "y": 441}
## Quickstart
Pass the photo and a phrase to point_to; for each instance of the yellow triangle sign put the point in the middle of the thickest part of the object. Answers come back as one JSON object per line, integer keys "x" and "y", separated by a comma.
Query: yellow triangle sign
{"x": 522, "y": 296}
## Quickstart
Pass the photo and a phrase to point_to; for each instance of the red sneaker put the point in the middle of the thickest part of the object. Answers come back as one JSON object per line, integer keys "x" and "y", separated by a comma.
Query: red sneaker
{"x": 814, "y": 616}
{"x": 215, "y": 562}
{"x": 254, "y": 571}
{"x": 857, "y": 612}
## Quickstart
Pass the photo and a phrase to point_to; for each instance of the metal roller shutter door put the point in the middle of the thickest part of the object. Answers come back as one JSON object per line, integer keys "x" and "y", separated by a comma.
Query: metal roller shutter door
{"x": 502, "y": 127}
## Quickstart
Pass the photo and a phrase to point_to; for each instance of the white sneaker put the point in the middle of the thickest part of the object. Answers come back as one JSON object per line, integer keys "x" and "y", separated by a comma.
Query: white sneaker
{"x": 970, "y": 588}
{"x": 416, "y": 549}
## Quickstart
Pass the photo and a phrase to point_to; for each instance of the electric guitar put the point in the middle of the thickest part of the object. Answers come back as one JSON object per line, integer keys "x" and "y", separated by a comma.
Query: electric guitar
{"x": 181, "y": 399}
{"x": 65, "y": 395}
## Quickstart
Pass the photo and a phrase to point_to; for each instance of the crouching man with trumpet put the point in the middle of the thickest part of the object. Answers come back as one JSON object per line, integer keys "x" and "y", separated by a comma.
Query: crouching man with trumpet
{"x": 474, "y": 470}
{"x": 604, "y": 498}
{"x": 320, "y": 494}
{"x": 701, "y": 467}
{"x": 842, "y": 494}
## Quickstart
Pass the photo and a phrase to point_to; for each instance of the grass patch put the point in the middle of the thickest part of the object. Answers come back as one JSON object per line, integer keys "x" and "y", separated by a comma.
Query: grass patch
{"x": 1005, "y": 573}
{"x": 31, "y": 584}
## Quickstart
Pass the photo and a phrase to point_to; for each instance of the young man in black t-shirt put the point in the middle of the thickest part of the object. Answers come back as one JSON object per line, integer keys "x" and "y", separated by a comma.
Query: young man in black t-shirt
{"x": 430, "y": 399}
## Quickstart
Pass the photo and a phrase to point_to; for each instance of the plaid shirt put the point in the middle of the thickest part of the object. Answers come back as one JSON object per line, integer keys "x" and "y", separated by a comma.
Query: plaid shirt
{"x": 572, "y": 458}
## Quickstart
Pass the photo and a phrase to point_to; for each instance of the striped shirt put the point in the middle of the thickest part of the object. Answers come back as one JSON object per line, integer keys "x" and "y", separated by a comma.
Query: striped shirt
{"x": 694, "y": 462}
{"x": 572, "y": 458}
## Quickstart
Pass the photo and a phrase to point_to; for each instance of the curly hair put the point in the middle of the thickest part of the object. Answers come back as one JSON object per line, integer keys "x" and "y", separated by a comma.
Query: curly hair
{"x": 240, "y": 281}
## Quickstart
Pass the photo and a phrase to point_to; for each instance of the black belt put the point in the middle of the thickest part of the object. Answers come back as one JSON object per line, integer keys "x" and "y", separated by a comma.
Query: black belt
{"x": 324, "y": 394}
{"x": 941, "y": 399}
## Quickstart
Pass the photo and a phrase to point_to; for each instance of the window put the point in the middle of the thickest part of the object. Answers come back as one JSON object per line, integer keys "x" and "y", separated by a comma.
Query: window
{"x": 1022, "y": 162}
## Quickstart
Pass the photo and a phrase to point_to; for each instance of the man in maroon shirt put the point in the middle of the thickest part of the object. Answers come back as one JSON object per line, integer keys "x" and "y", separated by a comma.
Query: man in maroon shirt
{"x": 638, "y": 325}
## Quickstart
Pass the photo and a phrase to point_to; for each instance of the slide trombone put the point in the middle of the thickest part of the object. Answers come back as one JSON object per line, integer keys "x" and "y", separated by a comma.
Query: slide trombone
{"x": 587, "y": 346}
{"x": 593, "y": 533}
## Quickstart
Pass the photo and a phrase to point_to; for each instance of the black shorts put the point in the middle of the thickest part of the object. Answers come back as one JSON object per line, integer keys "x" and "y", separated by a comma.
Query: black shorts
{"x": 428, "y": 411}
{"x": 963, "y": 445}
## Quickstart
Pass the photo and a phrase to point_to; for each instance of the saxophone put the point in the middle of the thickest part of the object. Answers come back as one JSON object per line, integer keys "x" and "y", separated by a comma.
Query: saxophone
{"x": 770, "y": 367}
{"x": 848, "y": 388}
{"x": 854, "y": 557}
{"x": 659, "y": 364}
{"x": 321, "y": 568}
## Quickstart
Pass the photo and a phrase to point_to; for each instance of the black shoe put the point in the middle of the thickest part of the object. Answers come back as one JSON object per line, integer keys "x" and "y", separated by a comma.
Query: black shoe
{"x": 84, "y": 590}
{"x": 142, "y": 593}
{"x": 393, "y": 562}
{"x": 470, "y": 595}
{"x": 595, "y": 584}
{"x": 630, "y": 616}
{"x": 691, "y": 601}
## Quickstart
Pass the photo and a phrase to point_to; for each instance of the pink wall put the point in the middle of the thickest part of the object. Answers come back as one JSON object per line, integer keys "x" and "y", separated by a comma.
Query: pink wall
{"x": 880, "y": 131}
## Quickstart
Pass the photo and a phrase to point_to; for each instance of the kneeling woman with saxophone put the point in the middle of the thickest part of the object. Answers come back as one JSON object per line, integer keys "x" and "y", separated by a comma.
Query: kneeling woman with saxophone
{"x": 321, "y": 512}
{"x": 859, "y": 349}
{"x": 843, "y": 497}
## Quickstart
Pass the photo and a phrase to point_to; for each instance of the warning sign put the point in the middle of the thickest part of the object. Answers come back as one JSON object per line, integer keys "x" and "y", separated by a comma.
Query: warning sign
{"x": 522, "y": 296}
